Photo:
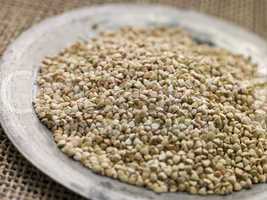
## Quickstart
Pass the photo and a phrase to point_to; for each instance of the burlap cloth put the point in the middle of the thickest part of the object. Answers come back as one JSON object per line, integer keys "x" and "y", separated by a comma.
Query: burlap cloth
{"x": 18, "y": 178}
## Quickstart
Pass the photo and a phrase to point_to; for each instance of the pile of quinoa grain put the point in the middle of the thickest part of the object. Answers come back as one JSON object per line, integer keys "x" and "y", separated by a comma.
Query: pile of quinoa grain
{"x": 152, "y": 108}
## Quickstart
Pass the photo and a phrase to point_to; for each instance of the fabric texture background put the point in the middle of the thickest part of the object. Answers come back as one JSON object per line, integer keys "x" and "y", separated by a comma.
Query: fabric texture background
{"x": 18, "y": 178}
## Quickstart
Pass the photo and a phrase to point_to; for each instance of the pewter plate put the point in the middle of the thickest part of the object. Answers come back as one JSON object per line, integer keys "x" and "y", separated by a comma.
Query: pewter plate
{"x": 20, "y": 63}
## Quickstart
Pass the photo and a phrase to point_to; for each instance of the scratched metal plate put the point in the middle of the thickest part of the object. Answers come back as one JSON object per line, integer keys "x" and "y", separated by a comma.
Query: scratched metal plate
{"x": 22, "y": 59}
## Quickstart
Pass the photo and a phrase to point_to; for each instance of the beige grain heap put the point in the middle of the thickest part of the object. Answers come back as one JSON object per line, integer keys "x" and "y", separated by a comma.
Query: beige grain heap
{"x": 152, "y": 108}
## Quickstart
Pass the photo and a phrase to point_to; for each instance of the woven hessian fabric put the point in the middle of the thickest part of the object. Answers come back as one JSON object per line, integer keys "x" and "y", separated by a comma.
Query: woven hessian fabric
{"x": 18, "y": 178}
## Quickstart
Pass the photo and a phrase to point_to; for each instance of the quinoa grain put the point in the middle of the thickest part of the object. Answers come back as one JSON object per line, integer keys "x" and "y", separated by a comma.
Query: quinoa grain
{"x": 152, "y": 108}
